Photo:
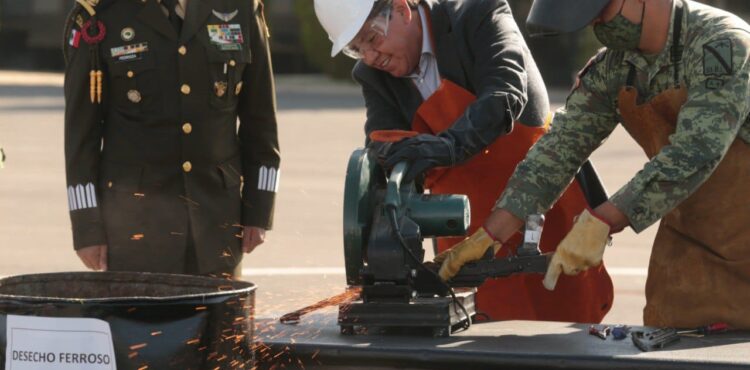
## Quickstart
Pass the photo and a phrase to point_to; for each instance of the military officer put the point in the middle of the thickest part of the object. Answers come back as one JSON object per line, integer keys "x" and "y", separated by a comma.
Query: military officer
{"x": 676, "y": 75}
{"x": 160, "y": 178}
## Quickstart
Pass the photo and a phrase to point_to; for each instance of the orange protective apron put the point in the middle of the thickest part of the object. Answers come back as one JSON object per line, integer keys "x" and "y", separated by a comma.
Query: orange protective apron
{"x": 583, "y": 298}
{"x": 699, "y": 272}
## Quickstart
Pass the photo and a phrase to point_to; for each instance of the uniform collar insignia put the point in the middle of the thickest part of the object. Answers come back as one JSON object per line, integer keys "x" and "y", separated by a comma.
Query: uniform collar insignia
{"x": 226, "y": 17}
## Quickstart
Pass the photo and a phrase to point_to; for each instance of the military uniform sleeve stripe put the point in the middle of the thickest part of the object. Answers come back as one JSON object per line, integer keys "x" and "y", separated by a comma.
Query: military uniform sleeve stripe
{"x": 268, "y": 179}
{"x": 271, "y": 180}
{"x": 72, "y": 199}
{"x": 262, "y": 177}
{"x": 82, "y": 197}
{"x": 80, "y": 200}
{"x": 278, "y": 180}
{"x": 91, "y": 195}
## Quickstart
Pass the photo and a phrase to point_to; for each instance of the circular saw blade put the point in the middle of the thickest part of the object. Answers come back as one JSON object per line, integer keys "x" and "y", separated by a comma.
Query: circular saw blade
{"x": 362, "y": 180}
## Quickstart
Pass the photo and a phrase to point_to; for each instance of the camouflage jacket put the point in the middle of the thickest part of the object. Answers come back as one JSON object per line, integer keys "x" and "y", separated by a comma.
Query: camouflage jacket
{"x": 715, "y": 68}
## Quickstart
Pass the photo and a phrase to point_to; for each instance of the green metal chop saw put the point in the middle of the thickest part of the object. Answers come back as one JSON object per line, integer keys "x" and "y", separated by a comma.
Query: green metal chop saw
{"x": 385, "y": 223}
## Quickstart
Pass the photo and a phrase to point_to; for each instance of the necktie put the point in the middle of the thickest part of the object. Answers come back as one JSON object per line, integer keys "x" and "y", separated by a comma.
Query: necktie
{"x": 174, "y": 19}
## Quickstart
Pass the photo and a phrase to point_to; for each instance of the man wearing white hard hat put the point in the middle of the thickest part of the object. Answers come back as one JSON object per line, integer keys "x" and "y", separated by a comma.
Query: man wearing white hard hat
{"x": 452, "y": 89}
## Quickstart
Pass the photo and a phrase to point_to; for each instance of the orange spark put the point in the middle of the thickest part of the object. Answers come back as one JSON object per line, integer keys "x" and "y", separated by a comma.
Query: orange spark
{"x": 136, "y": 347}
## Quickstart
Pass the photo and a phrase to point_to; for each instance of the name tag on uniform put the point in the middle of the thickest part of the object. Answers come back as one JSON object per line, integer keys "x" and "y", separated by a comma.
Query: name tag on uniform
{"x": 129, "y": 52}
{"x": 226, "y": 36}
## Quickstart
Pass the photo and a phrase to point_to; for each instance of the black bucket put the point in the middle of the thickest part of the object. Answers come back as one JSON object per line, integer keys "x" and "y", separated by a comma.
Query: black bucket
{"x": 157, "y": 321}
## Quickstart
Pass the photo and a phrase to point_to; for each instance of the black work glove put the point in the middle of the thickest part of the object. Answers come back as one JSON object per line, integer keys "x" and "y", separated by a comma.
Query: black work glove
{"x": 421, "y": 153}
{"x": 378, "y": 151}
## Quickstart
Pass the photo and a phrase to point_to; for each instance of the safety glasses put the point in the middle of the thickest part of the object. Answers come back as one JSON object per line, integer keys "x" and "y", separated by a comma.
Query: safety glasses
{"x": 370, "y": 36}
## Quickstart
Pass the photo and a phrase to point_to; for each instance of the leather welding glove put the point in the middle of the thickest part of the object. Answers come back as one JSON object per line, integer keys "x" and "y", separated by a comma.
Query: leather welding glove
{"x": 582, "y": 248}
{"x": 422, "y": 153}
{"x": 470, "y": 249}
{"x": 381, "y": 142}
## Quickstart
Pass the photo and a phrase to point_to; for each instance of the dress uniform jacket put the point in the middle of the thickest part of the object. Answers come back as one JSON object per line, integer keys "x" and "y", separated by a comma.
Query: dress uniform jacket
{"x": 156, "y": 170}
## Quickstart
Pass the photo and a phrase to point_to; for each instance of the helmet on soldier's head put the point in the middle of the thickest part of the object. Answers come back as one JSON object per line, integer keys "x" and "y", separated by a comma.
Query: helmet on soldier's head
{"x": 553, "y": 17}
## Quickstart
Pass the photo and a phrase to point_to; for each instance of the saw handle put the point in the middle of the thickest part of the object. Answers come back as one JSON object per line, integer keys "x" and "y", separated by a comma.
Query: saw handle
{"x": 393, "y": 189}
{"x": 474, "y": 274}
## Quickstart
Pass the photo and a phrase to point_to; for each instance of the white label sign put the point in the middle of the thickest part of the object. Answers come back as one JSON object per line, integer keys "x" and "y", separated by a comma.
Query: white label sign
{"x": 532, "y": 236}
{"x": 45, "y": 343}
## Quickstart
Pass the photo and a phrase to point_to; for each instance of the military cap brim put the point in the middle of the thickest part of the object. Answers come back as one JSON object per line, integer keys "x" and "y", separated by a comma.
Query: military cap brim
{"x": 553, "y": 17}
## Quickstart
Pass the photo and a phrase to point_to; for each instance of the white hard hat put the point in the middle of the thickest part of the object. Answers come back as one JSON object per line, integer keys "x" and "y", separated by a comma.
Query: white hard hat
{"x": 342, "y": 19}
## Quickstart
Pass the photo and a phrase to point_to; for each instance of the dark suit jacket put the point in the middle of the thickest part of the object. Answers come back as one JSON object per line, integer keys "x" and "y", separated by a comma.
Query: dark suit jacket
{"x": 479, "y": 47}
{"x": 159, "y": 165}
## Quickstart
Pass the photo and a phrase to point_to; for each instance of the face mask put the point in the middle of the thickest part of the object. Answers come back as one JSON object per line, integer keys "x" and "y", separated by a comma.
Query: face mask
{"x": 619, "y": 33}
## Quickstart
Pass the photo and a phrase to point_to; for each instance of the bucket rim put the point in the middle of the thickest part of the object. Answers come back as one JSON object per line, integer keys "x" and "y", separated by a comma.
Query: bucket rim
{"x": 238, "y": 287}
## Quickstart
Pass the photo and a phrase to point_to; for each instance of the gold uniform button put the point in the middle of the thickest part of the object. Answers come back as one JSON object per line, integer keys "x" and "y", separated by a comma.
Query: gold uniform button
{"x": 109, "y": 184}
{"x": 187, "y": 166}
{"x": 131, "y": 74}
{"x": 238, "y": 88}
{"x": 232, "y": 63}
{"x": 187, "y": 128}
{"x": 182, "y": 50}
{"x": 185, "y": 89}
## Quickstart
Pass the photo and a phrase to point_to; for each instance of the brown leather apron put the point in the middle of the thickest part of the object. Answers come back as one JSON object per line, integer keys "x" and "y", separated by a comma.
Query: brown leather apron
{"x": 699, "y": 271}
{"x": 583, "y": 298}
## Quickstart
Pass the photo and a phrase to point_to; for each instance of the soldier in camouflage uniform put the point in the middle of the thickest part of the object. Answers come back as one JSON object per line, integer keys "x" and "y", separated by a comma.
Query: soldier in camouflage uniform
{"x": 155, "y": 160}
{"x": 676, "y": 75}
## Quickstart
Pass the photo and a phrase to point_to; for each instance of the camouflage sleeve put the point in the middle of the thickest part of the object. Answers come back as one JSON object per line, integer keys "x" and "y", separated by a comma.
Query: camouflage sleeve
{"x": 578, "y": 129}
{"x": 717, "y": 80}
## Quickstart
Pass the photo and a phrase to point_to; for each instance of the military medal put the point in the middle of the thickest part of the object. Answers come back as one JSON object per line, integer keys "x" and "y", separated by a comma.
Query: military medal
{"x": 220, "y": 88}
{"x": 134, "y": 96}
{"x": 128, "y": 53}
{"x": 127, "y": 34}
{"x": 226, "y": 36}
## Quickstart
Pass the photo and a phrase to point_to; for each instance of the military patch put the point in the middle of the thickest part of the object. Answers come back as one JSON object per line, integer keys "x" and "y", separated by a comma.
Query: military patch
{"x": 226, "y": 36}
{"x": 129, "y": 52}
{"x": 714, "y": 83}
{"x": 717, "y": 58}
{"x": 226, "y": 17}
{"x": 75, "y": 38}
